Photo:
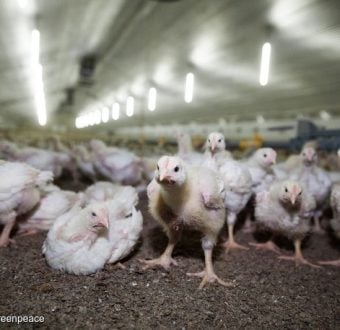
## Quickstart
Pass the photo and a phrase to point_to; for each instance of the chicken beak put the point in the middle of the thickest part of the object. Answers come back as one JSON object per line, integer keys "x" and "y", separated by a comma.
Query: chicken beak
{"x": 293, "y": 199}
{"x": 162, "y": 176}
{"x": 103, "y": 219}
{"x": 310, "y": 157}
{"x": 213, "y": 146}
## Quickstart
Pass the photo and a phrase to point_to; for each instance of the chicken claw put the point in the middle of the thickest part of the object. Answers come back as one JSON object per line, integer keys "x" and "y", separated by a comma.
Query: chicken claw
{"x": 209, "y": 277}
{"x": 163, "y": 261}
{"x": 269, "y": 245}
{"x": 232, "y": 245}
{"x": 299, "y": 260}
{"x": 7, "y": 242}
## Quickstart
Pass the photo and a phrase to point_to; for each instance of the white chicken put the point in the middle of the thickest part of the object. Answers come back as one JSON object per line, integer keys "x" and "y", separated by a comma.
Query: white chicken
{"x": 185, "y": 150}
{"x": 117, "y": 165}
{"x": 84, "y": 161}
{"x": 335, "y": 222}
{"x": 43, "y": 160}
{"x": 286, "y": 208}
{"x": 19, "y": 193}
{"x": 238, "y": 190}
{"x": 183, "y": 195}
{"x": 216, "y": 154}
{"x": 316, "y": 180}
{"x": 52, "y": 205}
{"x": 259, "y": 166}
{"x": 82, "y": 241}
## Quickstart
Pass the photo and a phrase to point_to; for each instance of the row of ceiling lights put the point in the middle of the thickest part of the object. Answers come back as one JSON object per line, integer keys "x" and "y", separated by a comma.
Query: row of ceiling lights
{"x": 103, "y": 116}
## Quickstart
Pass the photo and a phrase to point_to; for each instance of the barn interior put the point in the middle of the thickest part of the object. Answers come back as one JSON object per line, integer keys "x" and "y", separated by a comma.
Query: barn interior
{"x": 99, "y": 90}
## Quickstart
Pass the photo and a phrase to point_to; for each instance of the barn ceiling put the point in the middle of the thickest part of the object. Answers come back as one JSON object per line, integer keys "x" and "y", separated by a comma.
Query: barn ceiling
{"x": 135, "y": 45}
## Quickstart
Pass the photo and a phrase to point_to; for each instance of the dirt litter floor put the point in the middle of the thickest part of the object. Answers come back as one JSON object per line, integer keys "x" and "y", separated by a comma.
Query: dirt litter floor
{"x": 268, "y": 293}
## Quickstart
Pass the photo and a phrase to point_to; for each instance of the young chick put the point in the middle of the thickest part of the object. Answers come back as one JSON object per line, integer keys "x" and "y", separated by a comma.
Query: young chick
{"x": 186, "y": 152}
{"x": 215, "y": 154}
{"x": 117, "y": 165}
{"x": 19, "y": 193}
{"x": 82, "y": 241}
{"x": 259, "y": 166}
{"x": 72, "y": 242}
{"x": 286, "y": 209}
{"x": 84, "y": 161}
{"x": 183, "y": 195}
{"x": 315, "y": 179}
{"x": 335, "y": 222}
{"x": 237, "y": 185}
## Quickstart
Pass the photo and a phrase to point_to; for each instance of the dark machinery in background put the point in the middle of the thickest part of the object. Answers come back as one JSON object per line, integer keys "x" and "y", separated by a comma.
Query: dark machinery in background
{"x": 326, "y": 139}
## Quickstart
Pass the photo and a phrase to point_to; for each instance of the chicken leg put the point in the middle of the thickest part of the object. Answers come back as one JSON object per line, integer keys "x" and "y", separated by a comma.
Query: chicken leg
{"x": 4, "y": 237}
{"x": 230, "y": 244}
{"x": 269, "y": 245}
{"x": 298, "y": 257}
{"x": 208, "y": 274}
{"x": 165, "y": 260}
{"x": 317, "y": 225}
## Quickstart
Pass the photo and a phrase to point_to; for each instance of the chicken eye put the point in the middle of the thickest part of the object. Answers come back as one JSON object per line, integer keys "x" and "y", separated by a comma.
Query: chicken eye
{"x": 157, "y": 167}
{"x": 219, "y": 140}
{"x": 300, "y": 193}
{"x": 265, "y": 155}
{"x": 286, "y": 190}
{"x": 176, "y": 169}
{"x": 93, "y": 214}
{"x": 129, "y": 215}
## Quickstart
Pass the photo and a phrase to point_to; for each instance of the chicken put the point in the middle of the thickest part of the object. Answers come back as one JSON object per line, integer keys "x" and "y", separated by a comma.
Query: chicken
{"x": 19, "y": 193}
{"x": 283, "y": 170}
{"x": 259, "y": 166}
{"x": 286, "y": 208}
{"x": 104, "y": 191}
{"x": 237, "y": 185}
{"x": 316, "y": 180}
{"x": 335, "y": 222}
{"x": 82, "y": 241}
{"x": 84, "y": 162}
{"x": 52, "y": 205}
{"x": 186, "y": 152}
{"x": 43, "y": 160}
{"x": 184, "y": 195}
{"x": 215, "y": 154}
{"x": 117, "y": 165}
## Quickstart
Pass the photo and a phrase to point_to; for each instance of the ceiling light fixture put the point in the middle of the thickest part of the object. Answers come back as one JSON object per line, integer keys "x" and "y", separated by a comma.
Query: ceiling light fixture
{"x": 39, "y": 94}
{"x": 105, "y": 115}
{"x": 35, "y": 47}
{"x": 152, "y": 99}
{"x": 189, "y": 87}
{"x": 22, "y": 3}
{"x": 265, "y": 64}
{"x": 130, "y": 103}
{"x": 266, "y": 55}
{"x": 38, "y": 83}
{"x": 115, "y": 111}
